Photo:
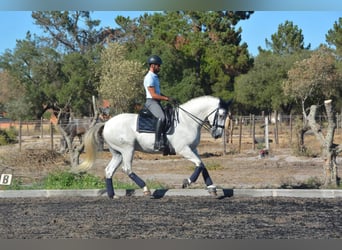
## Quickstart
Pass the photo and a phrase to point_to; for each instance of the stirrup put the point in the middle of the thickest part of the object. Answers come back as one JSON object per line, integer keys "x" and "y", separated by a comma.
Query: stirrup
{"x": 159, "y": 146}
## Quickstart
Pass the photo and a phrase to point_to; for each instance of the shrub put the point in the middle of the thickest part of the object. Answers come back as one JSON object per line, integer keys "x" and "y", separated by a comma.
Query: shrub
{"x": 8, "y": 136}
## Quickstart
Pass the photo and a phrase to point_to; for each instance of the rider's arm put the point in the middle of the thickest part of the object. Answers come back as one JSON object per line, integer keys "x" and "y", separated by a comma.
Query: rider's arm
{"x": 156, "y": 96}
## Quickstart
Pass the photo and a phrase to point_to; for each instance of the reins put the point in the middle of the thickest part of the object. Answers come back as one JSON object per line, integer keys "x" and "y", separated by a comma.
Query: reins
{"x": 202, "y": 123}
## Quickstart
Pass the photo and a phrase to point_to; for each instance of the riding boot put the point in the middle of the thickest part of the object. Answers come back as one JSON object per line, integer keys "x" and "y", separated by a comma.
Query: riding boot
{"x": 159, "y": 142}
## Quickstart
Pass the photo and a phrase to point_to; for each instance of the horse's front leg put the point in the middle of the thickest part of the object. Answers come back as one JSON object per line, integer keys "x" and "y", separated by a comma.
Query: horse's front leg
{"x": 193, "y": 156}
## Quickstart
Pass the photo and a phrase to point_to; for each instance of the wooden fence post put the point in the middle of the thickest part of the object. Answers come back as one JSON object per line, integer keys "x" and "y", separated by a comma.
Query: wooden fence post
{"x": 224, "y": 142}
{"x": 240, "y": 133}
{"x": 276, "y": 129}
{"x": 20, "y": 126}
{"x": 41, "y": 128}
{"x": 290, "y": 129}
{"x": 51, "y": 135}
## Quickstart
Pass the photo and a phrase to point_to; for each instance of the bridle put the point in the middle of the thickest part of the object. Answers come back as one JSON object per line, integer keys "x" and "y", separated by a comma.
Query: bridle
{"x": 205, "y": 123}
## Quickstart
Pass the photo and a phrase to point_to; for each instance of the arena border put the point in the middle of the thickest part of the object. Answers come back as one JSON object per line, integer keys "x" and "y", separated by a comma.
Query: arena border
{"x": 159, "y": 193}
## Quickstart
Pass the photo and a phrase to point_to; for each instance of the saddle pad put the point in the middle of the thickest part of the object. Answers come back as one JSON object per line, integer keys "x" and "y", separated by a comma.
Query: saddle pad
{"x": 146, "y": 122}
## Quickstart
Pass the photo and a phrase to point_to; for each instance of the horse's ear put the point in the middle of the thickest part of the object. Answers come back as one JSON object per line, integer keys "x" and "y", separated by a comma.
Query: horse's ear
{"x": 226, "y": 104}
{"x": 229, "y": 103}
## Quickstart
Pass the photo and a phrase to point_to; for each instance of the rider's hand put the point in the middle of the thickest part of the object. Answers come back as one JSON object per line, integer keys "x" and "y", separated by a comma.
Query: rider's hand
{"x": 172, "y": 101}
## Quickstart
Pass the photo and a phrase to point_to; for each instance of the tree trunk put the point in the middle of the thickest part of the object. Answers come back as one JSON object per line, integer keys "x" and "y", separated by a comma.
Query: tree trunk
{"x": 330, "y": 170}
{"x": 300, "y": 138}
{"x": 75, "y": 152}
{"x": 329, "y": 149}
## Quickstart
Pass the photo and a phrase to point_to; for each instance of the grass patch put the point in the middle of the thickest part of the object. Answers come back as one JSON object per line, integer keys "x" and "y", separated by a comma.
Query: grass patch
{"x": 8, "y": 136}
{"x": 63, "y": 180}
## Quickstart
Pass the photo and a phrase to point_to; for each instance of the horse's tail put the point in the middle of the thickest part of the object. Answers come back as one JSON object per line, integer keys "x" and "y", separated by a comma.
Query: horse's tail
{"x": 91, "y": 143}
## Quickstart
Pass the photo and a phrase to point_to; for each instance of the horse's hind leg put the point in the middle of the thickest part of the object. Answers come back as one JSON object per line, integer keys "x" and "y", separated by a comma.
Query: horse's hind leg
{"x": 110, "y": 170}
{"x": 127, "y": 168}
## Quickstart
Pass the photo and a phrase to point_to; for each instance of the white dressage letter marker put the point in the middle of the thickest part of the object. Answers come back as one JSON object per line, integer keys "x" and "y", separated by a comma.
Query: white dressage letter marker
{"x": 5, "y": 179}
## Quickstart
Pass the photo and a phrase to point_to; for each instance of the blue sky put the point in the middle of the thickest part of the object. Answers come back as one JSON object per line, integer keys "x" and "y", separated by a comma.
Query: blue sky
{"x": 261, "y": 25}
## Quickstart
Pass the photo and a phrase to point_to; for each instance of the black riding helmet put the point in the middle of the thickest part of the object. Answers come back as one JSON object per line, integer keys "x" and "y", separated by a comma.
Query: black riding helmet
{"x": 154, "y": 60}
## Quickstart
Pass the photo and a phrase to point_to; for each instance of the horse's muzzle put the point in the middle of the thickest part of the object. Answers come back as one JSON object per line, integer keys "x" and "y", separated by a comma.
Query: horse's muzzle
{"x": 216, "y": 133}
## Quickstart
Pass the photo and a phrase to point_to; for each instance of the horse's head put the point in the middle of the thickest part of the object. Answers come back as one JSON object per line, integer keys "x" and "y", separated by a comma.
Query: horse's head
{"x": 218, "y": 118}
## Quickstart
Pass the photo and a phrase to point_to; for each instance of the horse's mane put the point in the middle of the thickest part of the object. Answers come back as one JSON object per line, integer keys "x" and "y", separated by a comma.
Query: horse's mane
{"x": 201, "y": 99}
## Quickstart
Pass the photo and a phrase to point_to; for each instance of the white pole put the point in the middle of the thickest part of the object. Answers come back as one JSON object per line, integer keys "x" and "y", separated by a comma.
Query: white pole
{"x": 266, "y": 133}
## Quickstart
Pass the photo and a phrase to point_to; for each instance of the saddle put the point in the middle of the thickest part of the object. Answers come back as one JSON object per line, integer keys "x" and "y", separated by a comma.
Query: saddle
{"x": 147, "y": 121}
{"x": 147, "y": 124}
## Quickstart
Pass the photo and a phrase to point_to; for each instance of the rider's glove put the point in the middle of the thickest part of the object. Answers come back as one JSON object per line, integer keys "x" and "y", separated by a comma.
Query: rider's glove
{"x": 172, "y": 101}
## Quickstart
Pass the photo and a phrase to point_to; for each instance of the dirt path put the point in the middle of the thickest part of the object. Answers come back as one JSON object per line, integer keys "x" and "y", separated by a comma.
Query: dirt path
{"x": 170, "y": 218}
{"x": 228, "y": 171}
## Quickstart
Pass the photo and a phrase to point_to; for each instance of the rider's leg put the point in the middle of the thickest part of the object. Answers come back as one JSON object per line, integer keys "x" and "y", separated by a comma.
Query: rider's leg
{"x": 159, "y": 139}
{"x": 158, "y": 112}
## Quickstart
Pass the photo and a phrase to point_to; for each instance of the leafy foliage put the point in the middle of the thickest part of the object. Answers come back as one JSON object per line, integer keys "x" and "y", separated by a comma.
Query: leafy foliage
{"x": 288, "y": 39}
{"x": 262, "y": 88}
{"x": 334, "y": 36}
{"x": 202, "y": 54}
{"x": 315, "y": 78}
{"x": 201, "y": 51}
{"x": 121, "y": 79}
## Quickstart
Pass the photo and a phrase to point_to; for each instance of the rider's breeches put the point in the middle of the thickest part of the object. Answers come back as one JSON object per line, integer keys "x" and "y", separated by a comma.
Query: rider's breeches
{"x": 155, "y": 108}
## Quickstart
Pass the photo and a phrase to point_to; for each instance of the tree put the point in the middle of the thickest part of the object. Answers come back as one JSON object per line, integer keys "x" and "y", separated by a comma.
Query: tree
{"x": 11, "y": 90}
{"x": 121, "y": 80}
{"x": 330, "y": 150}
{"x": 311, "y": 81}
{"x": 261, "y": 88}
{"x": 334, "y": 39}
{"x": 36, "y": 69}
{"x": 58, "y": 66}
{"x": 80, "y": 82}
{"x": 68, "y": 31}
{"x": 288, "y": 40}
{"x": 201, "y": 51}
{"x": 334, "y": 36}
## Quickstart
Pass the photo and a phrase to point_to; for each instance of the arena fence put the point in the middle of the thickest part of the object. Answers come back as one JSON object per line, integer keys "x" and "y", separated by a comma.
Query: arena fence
{"x": 256, "y": 131}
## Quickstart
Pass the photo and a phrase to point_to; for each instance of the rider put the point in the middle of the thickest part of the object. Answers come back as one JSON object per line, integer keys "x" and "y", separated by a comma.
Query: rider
{"x": 153, "y": 98}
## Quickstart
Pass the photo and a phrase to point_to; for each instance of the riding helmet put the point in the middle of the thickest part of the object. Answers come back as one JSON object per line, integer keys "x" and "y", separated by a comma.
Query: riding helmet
{"x": 154, "y": 60}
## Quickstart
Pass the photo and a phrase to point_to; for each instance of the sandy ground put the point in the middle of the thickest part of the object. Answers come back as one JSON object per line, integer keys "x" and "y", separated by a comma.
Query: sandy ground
{"x": 231, "y": 170}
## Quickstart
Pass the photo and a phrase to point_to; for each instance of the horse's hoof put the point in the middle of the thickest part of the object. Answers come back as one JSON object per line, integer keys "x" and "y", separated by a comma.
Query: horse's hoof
{"x": 186, "y": 183}
{"x": 212, "y": 190}
{"x": 147, "y": 193}
{"x": 115, "y": 197}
